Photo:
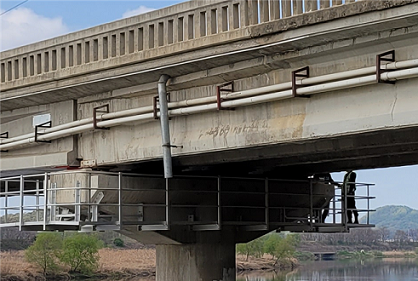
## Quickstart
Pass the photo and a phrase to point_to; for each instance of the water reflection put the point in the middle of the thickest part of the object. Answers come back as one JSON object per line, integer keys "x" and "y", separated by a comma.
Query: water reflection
{"x": 370, "y": 270}
{"x": 380, "y": 270}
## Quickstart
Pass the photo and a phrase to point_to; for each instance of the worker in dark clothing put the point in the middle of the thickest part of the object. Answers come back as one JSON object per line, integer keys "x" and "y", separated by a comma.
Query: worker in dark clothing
{"x": 326, "y": 178}
{"x": 349, "y": 189}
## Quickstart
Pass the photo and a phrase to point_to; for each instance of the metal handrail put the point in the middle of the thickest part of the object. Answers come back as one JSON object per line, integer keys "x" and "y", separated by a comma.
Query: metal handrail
{"x": 82, "y": 205}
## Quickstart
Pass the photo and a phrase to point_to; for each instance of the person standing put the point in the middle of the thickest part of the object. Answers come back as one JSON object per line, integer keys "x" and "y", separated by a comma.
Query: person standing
{"x": 349, "y": 189}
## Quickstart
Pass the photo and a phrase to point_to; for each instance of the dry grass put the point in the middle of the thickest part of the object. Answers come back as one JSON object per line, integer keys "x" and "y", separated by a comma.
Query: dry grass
{"x": 14, "y": 263}
{"x": 398, "y": 254}
{"x": 127, "y": 260}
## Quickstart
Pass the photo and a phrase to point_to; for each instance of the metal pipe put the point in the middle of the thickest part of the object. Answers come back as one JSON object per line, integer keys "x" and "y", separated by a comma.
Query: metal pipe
{"x": 234, "y": 95}
{"x": 165, "y": 128}
{"x": 308, "y": 90}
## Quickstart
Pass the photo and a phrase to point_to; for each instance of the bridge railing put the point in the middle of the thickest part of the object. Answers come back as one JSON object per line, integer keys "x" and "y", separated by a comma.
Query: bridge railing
{"x": 179, "y": 28}
{"x": 105, "y": 200}
{"x": 339, "y": 209}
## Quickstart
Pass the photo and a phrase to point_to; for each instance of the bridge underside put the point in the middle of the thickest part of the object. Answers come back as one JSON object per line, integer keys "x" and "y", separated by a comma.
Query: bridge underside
{"x": 378, "y": 149}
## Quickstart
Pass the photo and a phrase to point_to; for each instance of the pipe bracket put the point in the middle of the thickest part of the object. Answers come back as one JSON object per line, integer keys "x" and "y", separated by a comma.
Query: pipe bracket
{"x": 43, "y": 125}
{"x": 387, "y": 56}
{"x": 303, "y": 73}
{"x": 155, "y": 108}
{"x": 4, "y": 135}
{"x": 227, "y": 87}
{"x": 100, "y": 110}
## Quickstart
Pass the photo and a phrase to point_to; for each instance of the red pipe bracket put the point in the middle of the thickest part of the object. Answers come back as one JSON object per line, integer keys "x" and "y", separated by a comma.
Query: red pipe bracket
{"x": 387, "y": 56}
{"x": 303, "y": 73}
{"x": 227, "y": 87}
{"x": 95, "y": 111}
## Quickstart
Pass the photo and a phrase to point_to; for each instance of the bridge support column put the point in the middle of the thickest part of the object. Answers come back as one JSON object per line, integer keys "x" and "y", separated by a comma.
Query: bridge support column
{"x": 196, "y": 262}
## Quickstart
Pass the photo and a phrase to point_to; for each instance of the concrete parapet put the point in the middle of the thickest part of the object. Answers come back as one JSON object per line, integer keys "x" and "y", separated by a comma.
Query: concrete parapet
{"x": 185, "y": 27}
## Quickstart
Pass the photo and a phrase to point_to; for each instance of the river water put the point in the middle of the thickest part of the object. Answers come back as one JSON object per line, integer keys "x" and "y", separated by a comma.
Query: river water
{"x": 368, "y": 270}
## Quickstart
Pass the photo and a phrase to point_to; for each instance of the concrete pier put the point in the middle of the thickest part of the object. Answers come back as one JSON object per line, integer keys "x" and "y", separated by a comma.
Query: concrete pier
{"x": 207, "y": 260}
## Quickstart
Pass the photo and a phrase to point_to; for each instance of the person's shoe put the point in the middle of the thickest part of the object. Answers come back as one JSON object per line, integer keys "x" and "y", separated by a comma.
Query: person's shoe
{"x": 356, "y": 221}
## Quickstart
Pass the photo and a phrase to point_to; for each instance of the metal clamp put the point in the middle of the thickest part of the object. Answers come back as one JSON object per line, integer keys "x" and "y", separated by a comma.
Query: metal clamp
{"x": 43, "y": 125}
{"x": 388, "y": 56}
{"x": 155, "y": 108}
{"x": 4, "y": 135}
{"x": 219, "y": 90}
{"x": 299, "y": 73}
{"x": 97, "y": 109}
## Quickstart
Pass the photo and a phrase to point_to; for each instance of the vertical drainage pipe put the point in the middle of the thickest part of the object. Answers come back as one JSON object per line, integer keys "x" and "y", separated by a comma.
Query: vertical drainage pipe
{"x": 165, "y": 129}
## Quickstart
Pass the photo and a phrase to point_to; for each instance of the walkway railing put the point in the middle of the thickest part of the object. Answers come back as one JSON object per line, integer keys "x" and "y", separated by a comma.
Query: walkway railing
{"x": 103, "y": 200}
{"x": 143, "y": 37}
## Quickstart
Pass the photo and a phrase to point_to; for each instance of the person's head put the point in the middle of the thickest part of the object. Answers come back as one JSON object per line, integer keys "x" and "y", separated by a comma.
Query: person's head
{"x": 352, "y": 177}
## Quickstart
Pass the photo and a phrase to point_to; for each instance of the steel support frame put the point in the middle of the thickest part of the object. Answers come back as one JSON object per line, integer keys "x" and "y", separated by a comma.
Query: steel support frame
{"x": 299, "y": 73}
{"x": 99, "y": 109}
{"x": 47, "y": 124}
{"x": 227, "y": 87}
{"x": 155, "y": 107}
{"x": 4, "y": 135}
{"x": 384, "y": 57}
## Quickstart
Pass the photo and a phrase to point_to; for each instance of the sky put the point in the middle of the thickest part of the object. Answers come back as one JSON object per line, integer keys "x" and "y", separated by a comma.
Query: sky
{"x": 38, "y": 20}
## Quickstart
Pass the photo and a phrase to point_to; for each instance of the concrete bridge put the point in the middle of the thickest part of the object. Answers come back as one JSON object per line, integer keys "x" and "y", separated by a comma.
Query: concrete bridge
{"x": 237, "y": 103}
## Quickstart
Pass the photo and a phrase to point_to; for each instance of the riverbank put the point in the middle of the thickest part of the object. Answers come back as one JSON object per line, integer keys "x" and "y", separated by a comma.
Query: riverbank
{"x": 265, "y": 263}
{"x": 128, "y": 263}
{"x": 123, "y": 263}
{"x": 113, "y": 263}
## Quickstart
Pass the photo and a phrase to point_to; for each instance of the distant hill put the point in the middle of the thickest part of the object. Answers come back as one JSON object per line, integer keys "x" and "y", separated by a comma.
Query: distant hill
{"x": 394, "y": 218}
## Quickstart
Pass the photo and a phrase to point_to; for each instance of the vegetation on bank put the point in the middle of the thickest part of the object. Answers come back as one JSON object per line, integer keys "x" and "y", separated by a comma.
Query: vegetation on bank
{"x": 360, "y": 243}
{"x": 280, "y": 248}
{"x": 114, "y": 264}
{"x": 75, "y": 253}
{"x": 362, "y": 255}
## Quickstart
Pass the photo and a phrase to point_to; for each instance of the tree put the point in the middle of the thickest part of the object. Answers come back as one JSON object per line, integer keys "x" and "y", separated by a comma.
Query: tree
{"x": 45, "y": 251}
{"x": 270, "y": 244}
{"x": 253, "y": 248}
{"x": 81, "y": 253}
{"x": 401, "y": 237}
{"x": 13, "y": 239}
{"x": 285, "y": 248}
{"x": 384, "y": 233}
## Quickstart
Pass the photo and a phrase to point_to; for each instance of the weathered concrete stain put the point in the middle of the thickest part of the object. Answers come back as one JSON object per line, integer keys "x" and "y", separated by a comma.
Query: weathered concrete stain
{"x": 287, "y": 119}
